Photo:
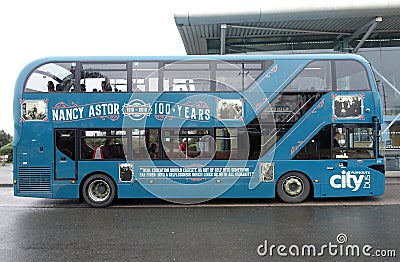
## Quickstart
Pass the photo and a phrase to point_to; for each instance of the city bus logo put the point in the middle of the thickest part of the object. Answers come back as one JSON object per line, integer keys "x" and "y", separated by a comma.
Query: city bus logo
{"x": 351, "y": 179}
{"x": 136, "y": 109}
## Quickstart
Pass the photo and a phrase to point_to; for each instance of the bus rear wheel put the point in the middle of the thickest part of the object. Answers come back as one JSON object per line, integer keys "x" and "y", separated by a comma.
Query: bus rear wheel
{"x": 99, "y": 190}
{"x": 293, "y": 187}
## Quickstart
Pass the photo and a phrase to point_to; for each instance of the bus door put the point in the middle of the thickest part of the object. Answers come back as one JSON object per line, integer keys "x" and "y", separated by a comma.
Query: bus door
{"x": 65, "y": 154}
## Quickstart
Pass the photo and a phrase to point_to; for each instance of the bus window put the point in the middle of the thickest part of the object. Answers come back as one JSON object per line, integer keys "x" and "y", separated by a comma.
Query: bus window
{"x": 60, "y": 76}
{"x": 294, "y": 101}
{"x": 284, "y": 111}
{"x": 103, "y": 78}
{"x": 201, "y": 76}
{"x": 228, "y": 141}
{"x": 223, "y": 143}
{"x": 316, "y": 76}
{"x": 356, "y": 142}
{"x": 227, "y": 144}
{"x": 353, "y": 142}
{"x": 187, "y": 143}
{"x": 237, "y": 75}
{"x": 145, "y": 144}
{"x": 351, "y": 76}
{"x": 254, "y": 140}
{"x": 171, "y": 144}
{"x": 319, "y": 147}
{"x": 94, "y": 143}
{"x": 145, "y": 76}
{"x": 186, "y": 76}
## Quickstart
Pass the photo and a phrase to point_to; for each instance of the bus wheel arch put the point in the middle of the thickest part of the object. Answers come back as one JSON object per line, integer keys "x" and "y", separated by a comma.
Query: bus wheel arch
{"x": 98, "y": 189}
{"x": 294, "y": 187}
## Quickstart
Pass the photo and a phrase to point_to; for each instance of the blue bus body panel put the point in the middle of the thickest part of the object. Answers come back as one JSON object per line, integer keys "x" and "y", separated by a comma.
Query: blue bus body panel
{"x": 180, "y": 182}
{"x": 39, "y": 172}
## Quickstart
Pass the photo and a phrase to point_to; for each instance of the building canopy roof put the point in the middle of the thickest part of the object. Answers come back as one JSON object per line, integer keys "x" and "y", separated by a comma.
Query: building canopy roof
{"x": 326, "y": 26}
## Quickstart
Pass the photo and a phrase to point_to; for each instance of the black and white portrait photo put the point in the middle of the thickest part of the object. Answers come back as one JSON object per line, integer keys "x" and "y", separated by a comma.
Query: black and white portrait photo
{"x": 125, "y": 172}
{"x": 347, "y": 106}
{"x": 34, "y": 110}
{"x": 267, "y": 172}
{"x": 230, "y": 109}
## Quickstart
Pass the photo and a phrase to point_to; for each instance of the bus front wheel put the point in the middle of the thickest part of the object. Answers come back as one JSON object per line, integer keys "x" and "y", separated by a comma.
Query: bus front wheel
{"x": 99, "y": 190}
{"x": 293, "y": 187}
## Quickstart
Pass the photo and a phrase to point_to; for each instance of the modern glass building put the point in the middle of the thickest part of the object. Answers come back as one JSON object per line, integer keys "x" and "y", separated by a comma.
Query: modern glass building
{"x": 368, "y": 28}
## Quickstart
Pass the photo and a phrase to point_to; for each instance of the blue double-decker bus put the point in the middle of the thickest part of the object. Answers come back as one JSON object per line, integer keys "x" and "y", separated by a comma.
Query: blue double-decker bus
{"x": 192, "y": 128}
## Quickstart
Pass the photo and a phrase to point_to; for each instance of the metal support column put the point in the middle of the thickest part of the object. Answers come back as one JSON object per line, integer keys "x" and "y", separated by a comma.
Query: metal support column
{"x": 223, "y": 36}
{"x": 367, "y": 34}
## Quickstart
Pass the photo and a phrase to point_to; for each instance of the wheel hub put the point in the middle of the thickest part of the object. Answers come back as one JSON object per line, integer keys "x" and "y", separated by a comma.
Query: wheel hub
{"x": 293, "y": 186}
{"x": 98, "y": 190}
{"x": 101, "y": 189}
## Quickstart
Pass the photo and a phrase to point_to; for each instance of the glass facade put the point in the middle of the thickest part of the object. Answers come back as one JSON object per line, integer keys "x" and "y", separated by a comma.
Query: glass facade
{"x": 384, "y": 61}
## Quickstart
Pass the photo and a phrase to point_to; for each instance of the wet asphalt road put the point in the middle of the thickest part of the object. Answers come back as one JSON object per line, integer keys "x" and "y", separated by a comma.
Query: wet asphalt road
{"x": 230, "y": 230}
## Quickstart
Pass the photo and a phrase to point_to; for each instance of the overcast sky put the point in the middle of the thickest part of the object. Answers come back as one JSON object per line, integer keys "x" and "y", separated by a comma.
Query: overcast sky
{"x": 41, "y": 28}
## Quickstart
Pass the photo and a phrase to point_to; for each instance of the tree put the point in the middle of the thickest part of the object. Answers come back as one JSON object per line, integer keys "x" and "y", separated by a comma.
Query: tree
{"x": 6, "y": 145}
{"x": 4, "y": 138}
{"x": 7, "y": 150}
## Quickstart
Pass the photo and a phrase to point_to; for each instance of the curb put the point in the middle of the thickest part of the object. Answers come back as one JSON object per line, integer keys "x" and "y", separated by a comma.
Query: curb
{"x": 392, "y": 180}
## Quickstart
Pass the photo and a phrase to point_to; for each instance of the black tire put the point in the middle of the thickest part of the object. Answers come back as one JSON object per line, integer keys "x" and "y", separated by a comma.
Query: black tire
{"x": 99, "y": 190}
{"x": 293, "y": 187}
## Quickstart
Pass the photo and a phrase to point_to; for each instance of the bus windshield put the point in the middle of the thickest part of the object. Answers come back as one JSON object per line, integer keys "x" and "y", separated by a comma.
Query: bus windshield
{"x": 57, "y": 74}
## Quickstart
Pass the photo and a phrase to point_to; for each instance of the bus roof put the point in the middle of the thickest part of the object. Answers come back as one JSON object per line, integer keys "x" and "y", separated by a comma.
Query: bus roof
{"x": 187, "y": 57}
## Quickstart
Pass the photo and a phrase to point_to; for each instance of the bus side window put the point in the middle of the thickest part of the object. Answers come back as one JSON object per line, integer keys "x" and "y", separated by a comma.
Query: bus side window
{"x": 112, "y": 150}
{"x": 86, "y": 150}
{"x": 319, "y": 147}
